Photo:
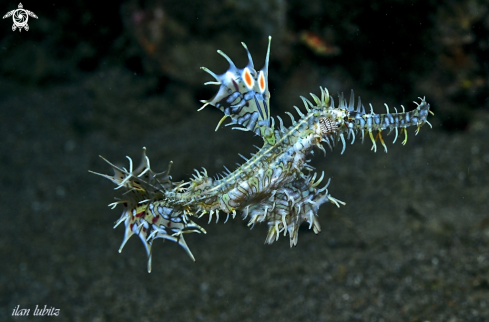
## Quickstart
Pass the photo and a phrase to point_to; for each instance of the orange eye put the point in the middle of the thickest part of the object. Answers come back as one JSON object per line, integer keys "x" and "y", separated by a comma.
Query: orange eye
{"x": 247, "y": 78}
{"x": 261, "y": 82}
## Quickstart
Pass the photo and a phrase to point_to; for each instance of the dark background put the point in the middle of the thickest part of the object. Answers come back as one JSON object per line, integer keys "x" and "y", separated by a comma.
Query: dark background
{"x": 93, "y": 78}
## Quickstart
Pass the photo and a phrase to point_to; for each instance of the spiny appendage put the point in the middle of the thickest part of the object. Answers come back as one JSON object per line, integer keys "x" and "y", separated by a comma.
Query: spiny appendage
{"x": 331, "y": 121}
{"x": 147, "y": 211}
{"x": 360, "y": 122}
{"x": 291, "y": 205}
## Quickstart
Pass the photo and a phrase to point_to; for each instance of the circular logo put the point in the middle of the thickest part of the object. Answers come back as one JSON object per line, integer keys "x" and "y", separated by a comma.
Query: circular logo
{"x": 20, "y": 18}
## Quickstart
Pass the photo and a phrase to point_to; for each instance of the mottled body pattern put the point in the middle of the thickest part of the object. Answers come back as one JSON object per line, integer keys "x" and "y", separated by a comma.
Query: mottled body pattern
{"x": 276, "y": 185}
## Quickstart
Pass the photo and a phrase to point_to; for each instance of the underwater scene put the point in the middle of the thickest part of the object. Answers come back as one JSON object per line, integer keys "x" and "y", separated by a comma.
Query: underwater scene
{"x": 261, "y": 160}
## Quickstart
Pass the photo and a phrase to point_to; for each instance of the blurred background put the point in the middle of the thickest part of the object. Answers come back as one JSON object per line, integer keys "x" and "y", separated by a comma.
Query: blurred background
{"x": 92, "y": 78}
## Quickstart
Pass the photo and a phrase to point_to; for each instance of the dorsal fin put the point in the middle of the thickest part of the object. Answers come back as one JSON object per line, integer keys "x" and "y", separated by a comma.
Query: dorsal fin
{"x": 243, "y": 94}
